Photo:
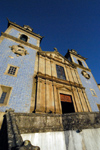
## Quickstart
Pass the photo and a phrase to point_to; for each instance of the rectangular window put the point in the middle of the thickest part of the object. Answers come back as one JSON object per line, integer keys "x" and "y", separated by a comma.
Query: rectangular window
{"x": 93, "y": 92}
{"x": 3, "y": 97}
{"x": 5, "y": 92}
{"x": 11, "y": 70}
{"x": 60, "y": 72}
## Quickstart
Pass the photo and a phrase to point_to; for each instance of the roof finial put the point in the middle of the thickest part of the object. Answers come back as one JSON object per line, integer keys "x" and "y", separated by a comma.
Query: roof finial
{"x": 55, "y": 49}
{"x": 8, "y": 19}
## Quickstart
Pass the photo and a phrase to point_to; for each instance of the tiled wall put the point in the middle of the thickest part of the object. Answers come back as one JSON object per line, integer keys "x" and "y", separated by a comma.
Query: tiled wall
{"x": 75, "y": 60}
{"x": 16, "y": 33}
{"x": 90, "y": 84}
{"x": 20, "y": 98}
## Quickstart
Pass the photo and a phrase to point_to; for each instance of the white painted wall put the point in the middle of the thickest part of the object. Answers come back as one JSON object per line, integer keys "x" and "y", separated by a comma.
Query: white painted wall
{"x": 88, "y": 139}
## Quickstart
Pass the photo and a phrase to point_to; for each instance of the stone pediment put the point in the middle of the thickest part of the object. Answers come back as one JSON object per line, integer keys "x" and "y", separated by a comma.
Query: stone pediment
{"x": 56, "y": 56}
{"x": 64, "y": 88}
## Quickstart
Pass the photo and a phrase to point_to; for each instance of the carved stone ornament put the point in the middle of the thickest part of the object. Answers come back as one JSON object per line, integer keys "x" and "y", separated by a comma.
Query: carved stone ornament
{"x": 55, "y": 49}
{"x": 73, "y": 50}
{"x": 19, "y": 50}
{"x": 85, "y": 74}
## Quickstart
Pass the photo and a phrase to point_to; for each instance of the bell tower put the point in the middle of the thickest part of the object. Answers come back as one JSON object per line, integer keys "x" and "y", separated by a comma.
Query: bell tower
{"x": 18, "y": 48}
{"x": 86, "y": 77}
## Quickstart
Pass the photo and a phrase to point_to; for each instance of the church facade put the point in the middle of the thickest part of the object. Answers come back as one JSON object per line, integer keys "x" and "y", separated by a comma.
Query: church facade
{"x": 32, "y": 80}
{"x": 48, "y": 97}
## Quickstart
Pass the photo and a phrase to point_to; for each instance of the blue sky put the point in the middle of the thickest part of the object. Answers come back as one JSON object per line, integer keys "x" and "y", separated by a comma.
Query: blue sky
{"x": 66, "y": 24}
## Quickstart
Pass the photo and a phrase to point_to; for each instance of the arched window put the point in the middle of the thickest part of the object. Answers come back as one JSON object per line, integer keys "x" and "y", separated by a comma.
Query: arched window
{"x": 80, "y": 63}
{"x": 24, "y": 37}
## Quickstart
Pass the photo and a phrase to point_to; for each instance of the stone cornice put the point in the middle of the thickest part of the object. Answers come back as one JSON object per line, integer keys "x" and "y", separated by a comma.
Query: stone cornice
{"x": 55, "y": 59}
{"x": 30, "y": 32}
{"x": 51, "y": 78}
{"x": 70, "y": 52}
{"x": 20, "y": 41}
{"x": 84, "y": 68}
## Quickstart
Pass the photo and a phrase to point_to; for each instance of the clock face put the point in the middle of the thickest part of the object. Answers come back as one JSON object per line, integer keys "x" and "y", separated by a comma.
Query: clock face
{"x": 85, "y": 74}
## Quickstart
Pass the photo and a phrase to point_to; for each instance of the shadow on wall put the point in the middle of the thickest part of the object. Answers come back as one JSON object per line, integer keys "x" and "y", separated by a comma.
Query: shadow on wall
{"x": 81, "y": 131}
{"x": 4, "y": 135}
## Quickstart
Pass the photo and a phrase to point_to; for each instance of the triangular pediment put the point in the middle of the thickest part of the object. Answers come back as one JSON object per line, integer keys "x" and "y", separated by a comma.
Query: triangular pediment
{"x": 55, "y": 55}
{"x": 64, "y": 88}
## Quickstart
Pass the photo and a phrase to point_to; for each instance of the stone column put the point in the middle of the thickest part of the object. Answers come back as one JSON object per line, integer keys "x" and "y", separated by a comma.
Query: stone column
{"x": 74, "y": 75}
{"x": 85, "y": 107}
{"x": 66, "y": 73}
{"x": 86, "y": 100}
{"x": 57, "y": 104}
{"x": 49, "y": 97}
{"x": 40, "y": 101}
{"x": 74, "y": 101}
{"x": 77, "y": 100}
{"x": 79, "y": 80}
{"x": 69, "y": 74}
{"x": 53, "y": 69}
{"x": 41, "y": 64}
{"x": 48, "y": 67}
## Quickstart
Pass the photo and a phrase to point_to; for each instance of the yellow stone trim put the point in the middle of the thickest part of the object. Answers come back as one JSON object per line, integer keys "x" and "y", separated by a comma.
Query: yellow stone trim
{"x": 98, "y": 105}
{"x": 82, "y": 67}
{"x": 1, "y": 39}
{"x": 94, "y": 92}
{"x": 51, "y": 78}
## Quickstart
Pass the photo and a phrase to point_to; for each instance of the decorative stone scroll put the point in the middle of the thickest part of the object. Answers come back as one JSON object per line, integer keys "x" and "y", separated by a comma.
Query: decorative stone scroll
{"x": 55, "y": 49}
{"x": 19, "y": 50}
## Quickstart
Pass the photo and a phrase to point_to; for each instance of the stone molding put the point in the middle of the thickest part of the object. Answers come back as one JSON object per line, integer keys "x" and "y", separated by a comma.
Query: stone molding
{"x": 20, "y": 41}
{"x": 79, "y": 66}
{"x": 22, "y": 28}
{"x": 51, "y": 78}
{"x": 70, "y": 52}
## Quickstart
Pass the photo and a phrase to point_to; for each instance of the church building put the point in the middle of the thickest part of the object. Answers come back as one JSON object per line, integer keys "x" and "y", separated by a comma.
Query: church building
{"x": 40, "y": 82}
